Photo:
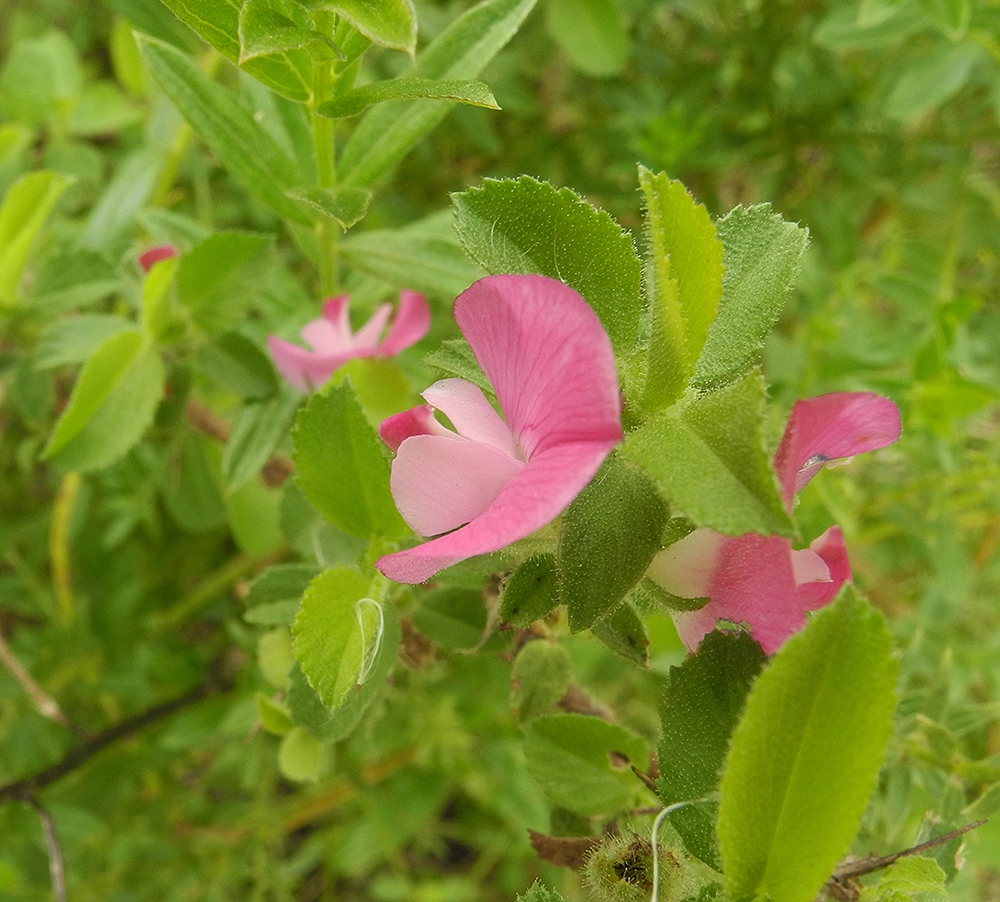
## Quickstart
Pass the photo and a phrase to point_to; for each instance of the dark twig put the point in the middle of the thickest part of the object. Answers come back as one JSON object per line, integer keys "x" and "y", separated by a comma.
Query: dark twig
{"x": 869, "y": 864}
{"x": 56, "y": 868}
{"x": 26, "y": 789}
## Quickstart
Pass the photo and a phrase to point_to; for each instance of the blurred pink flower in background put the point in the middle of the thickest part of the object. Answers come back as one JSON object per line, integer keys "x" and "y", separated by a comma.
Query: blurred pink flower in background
{"x": 147, "y": 259}
{"x": 333, "y": 343}
{"x": 761, "y": 580}
{"x": 490, "y": 482}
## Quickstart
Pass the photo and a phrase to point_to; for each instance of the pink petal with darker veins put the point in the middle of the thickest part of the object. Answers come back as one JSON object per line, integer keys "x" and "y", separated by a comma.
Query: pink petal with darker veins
{"x": 534, "y": 496}
{"x": 412, "y": 322}
{"x": 831, "y": 427}
{"x": 440, "y": 482}
{"x": 755, "y": 583}
{"x": 547, "y": 357}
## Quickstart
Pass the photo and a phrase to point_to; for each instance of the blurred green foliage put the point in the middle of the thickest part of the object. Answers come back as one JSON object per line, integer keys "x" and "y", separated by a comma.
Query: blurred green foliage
{"x": 874, "y": 124}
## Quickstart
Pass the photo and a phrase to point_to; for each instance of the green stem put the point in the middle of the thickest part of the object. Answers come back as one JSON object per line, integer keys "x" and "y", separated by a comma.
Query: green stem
{"x": 324, "y": 139}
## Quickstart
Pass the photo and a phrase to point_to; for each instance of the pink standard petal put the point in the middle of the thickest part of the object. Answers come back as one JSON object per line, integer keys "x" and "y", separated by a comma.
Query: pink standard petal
{"x": 412, "y": 322}
{"x": 534, "y": 496}
{"x": 470, "y": 413}
{"x": 441, "y": 482}
{"x": 547, "y": 356}
{"x": 830, "y": 427}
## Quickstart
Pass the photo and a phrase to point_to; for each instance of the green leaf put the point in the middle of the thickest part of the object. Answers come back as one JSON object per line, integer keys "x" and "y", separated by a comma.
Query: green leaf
{"x": 806, "y": 754}
{"x": 275, "y": 613}
{"x": 115, "y": 211}
{"x": 526, "y": 226}
{"x": 609, "y": 535}
{"x": 357, "y": 100}
{"x": 274, "y": 717}
{"x": 337, "y": 633}
{"x": 300, "y": 756}
{"x": 27, "y": 205}
{"x": 261, "y": 425}
{"x": 706, "y": 455}
{"x": 346, "y": 204}
{"x": 387, "y": 133}
{"x": 539, "y": 678}
{"x": 929, "y": 82}
{"x": 701, "y": 706}
{"x": 389, "y": 23}
{"x": 247, "y": 151}
{"x": 341, "y": 467}
{"x": 531, "y": 592}
{"x": 41, "y": 78}
{"x": 584, "y": 763}
{"x": 218, "y": 22}
{"x": 156, "y": 298}
{"x": 73, "y": 339}
{"x": 274, "y": 656}
{"x": 684, "y": 283}
{"x": 455, "y": 358}
{"x": 283, "y": 582}
{"x": 111, "y": 405}
{"x": 264, "y": 32}
{"x": 191, "y": 486}
{"x": 951, "y": 17}
{"x": 210, "y": 280}
{"x": 72, "y": 279}
{"x": 236, "y": 364}
{"x": 309, "y": 711}
{"x": 452, "y": 617}
{"x": 907, "y": 879}
{"x": 623, "y": 632}
{"x": 421, "y": 257}
{"x": 761, "y": 254}
{"x": 591, "y": 33}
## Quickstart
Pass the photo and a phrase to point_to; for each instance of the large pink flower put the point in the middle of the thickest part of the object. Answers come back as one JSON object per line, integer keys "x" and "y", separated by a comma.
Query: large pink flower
{"x": 488, "y": 482}
{"x": 761, "y": 580}
{"x": 333, "y": 343}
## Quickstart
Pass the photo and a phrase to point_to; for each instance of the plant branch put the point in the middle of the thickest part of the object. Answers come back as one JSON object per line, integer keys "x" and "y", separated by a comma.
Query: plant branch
{"x": 42, "y": 700}
{"x": 56, "y": 867}
{"x": 27, "y": 788}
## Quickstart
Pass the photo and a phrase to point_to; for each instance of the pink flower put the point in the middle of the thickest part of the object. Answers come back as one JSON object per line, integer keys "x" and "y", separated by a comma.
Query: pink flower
{"x": 489, "y": 482}
{"x": 762, "y": 580}
{"x": 333, "y": 343}
{"x": 154, "y": 255}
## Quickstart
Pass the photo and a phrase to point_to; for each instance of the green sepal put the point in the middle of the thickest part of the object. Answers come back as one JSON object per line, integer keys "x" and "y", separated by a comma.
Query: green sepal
{"x": 531, "y": 592}
{"x": 609, "y": 535}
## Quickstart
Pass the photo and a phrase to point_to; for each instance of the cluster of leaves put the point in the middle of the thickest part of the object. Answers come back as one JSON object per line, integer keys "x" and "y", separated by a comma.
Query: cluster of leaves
{"x": 364, "y": 745}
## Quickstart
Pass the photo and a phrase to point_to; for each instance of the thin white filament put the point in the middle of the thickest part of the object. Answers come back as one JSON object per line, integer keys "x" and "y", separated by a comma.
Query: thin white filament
{"x": 370, "y": 644}
{"x": 654, "y": 838}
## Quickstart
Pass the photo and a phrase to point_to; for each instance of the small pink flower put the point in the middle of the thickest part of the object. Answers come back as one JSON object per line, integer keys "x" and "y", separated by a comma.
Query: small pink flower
{"x": 762, "y": 580}
{"x": 488, "y": 482}
{"x": 333, "y": 343}
{"x": 154, "y": 255}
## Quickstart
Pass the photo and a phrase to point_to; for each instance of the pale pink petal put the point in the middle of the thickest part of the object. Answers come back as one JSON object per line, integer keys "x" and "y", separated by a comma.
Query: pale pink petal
{"x": 534, "y": 496}
{"x": 831, "y": 549}
{"x": 686, "y": 567}
{"x": 471, "y": 414}
{"x": 755, "y": 583}
{"x": 154, "y": 255}
{"x": 367, "y": 337}
{"x": 830, "y": 427}
{"x": 325, "y": 338}
{"x": 548, "y": 358}
{"x": 305, "y": 370}
{"x": 411, "y": 323}
{"x": 415, "y": 421}
{"x": 441, "y": 482}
